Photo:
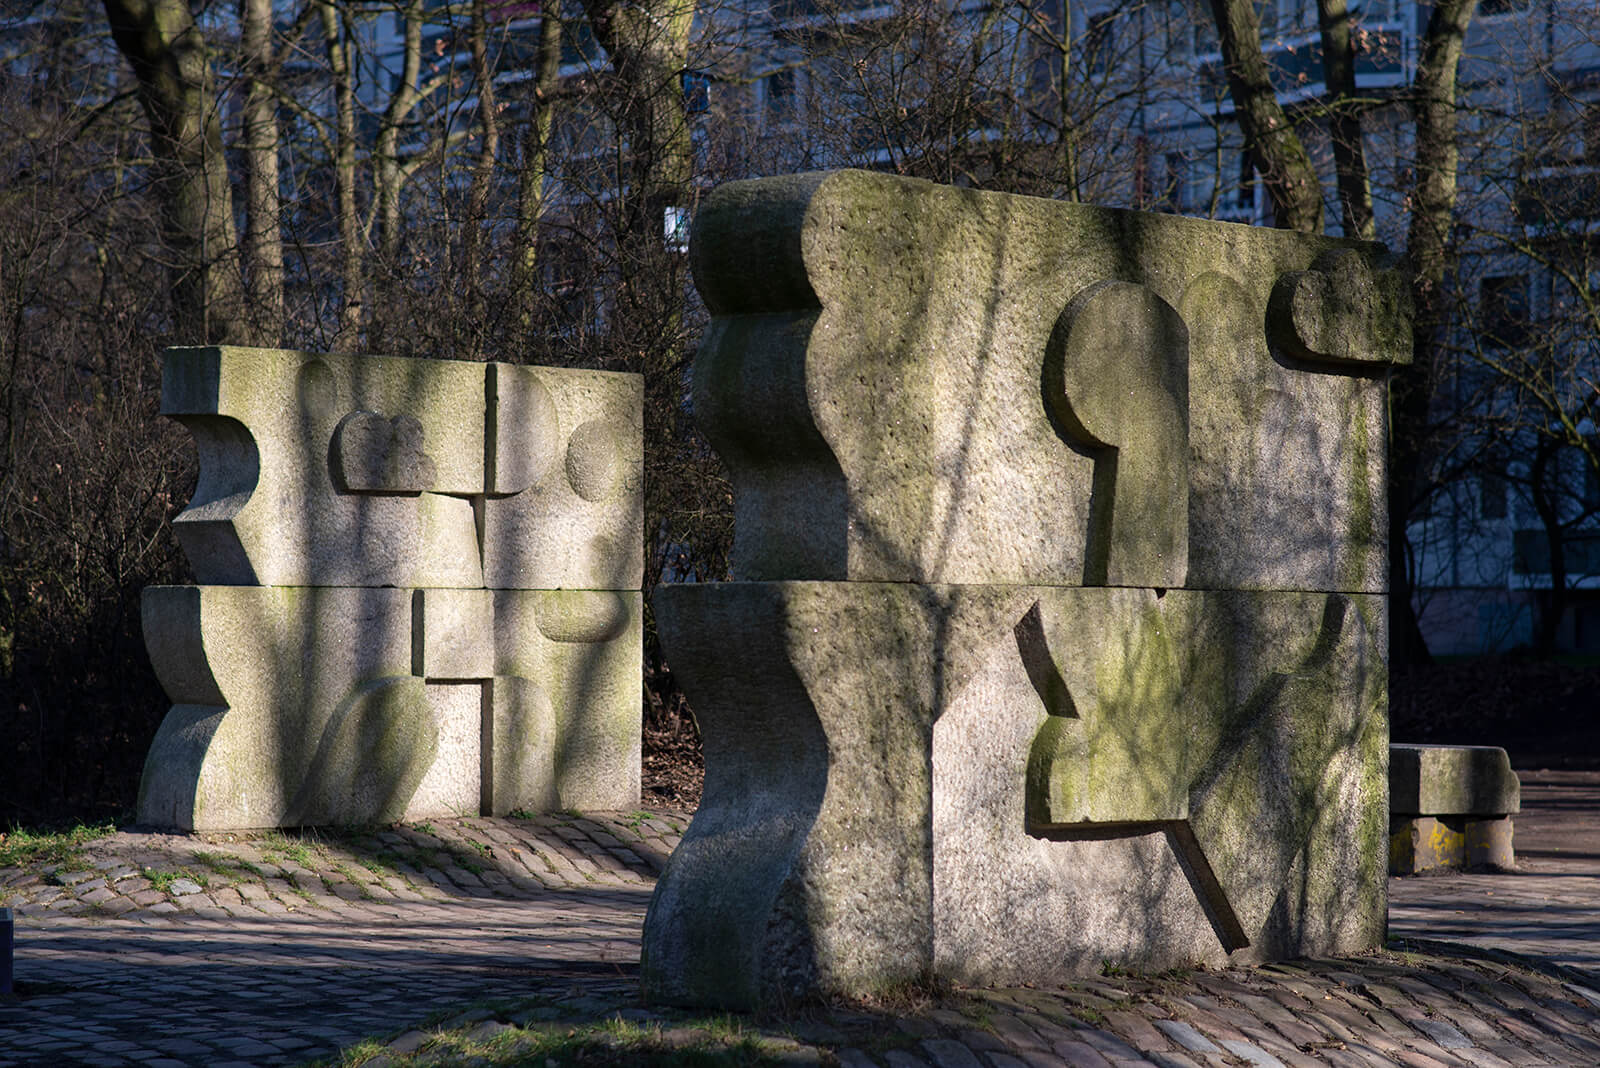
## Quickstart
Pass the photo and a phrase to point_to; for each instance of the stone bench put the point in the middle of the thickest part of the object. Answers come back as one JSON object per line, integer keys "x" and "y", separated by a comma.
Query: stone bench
{"x": 1450, "y": 806}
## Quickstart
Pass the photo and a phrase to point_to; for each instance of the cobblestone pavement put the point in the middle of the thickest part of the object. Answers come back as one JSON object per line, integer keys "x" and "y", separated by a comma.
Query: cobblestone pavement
{"x": 1548, "y": 908}
{"x": 278, "y": 949}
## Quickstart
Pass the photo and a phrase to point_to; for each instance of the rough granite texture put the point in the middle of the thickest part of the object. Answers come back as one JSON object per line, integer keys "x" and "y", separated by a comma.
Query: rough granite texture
{"x": 1452, "y": 780}
{"x": 419, "y": 592}
{"x": 887, "y": 795}
{"x": 1420, "y": 844}
{"x": 1058, "y": 633}
{"x": 873, "y": 372}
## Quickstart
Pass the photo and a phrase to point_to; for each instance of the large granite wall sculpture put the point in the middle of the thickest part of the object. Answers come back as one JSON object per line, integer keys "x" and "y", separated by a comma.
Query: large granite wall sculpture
{"x": 1057, "y": 633}
{"x": 420, "y": 592}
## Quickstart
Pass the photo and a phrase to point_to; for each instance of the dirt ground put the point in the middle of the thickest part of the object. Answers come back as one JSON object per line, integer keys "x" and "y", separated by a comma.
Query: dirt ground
{"x": 1545, "y": 714}
{"x": 673, "y": 768}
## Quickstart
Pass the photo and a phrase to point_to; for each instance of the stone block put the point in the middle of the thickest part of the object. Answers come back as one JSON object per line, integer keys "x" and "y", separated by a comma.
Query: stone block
{"x": 356, "y": 705}
{"x": 568, "y": 447}
{"x": 456, "y": 630}
{"x": 267, "y": 680}
{"x": 1452, "y": 780}
{"x": 1450, "y": 807}
{"x": 1428, "y": 843}
{"x": 585, "y": 651}
{"x": 1058, "y": 636}
{"x": 904, "y": 780}
{"x": 893, "y": 368}
{"x": 373, "y": 642}
{"x": 317, "y": 470}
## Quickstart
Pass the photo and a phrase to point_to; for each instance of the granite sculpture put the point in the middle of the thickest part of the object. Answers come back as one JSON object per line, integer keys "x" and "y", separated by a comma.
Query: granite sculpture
{"x": 419, "y": 592}
{"x": 1057, "y": 629}
{"x": 1451, "y": 806}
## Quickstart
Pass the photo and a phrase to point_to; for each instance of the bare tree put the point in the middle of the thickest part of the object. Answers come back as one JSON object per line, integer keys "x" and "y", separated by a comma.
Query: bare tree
{"x": 172, "y": 63}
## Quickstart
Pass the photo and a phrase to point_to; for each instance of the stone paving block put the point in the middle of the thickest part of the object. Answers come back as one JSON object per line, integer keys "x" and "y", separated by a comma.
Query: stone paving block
{"x": 1185, "y": 1035}
{"x": 1035, "y": 1059}
{"x": 1414, "y": 1059}
{"x": 1138, "y": 1029}
{"x": 1015, "y": 1033}
{"x": 1003, "y": 1060}
{"x": 947, "y": 1053}
{"x": 1172, "y": 1060}
{"x": 1081, "y": 1055}
{"x": 1277, "y": 1046}
{"x": 1251, "y": 1053}
{"x": 1107, "y": 1043}
{"x": 1050, "y": 1030}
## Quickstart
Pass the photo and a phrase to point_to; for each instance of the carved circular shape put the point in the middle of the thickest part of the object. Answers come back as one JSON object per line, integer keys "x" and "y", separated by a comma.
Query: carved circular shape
{"x": 581, "y": 615}
{"x": 527, "y": 435}
{"x": 595, "y": 468}
{"x": 374, "y": 454}
{"x": 315, "y": 388}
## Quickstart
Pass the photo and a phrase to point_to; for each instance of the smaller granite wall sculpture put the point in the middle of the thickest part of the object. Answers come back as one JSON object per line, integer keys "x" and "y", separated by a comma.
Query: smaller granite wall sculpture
{"x": 1450, "y": 806}
{"x": 420, "y": 592}
{"x": 1058, "y": 627}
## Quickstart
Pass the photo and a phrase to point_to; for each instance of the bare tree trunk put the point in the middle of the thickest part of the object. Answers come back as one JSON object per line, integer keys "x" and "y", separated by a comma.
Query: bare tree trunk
{"x": 1546, "y": 504}
{"x": 388, "y": 175}
{"x": 263, "y": 236}
{"x": 171, "y": 62}
{"x": 535, "y": 163}
{"x": 1344, "y": 125}
{"x": 483, "y": 166}
{"x": 1278, "y": 152}
{"x": 1433, "y": 202}
{"x": 1068, "y": 131}
{"x": 649, "y": 47}
{"x": 336, "y": 38}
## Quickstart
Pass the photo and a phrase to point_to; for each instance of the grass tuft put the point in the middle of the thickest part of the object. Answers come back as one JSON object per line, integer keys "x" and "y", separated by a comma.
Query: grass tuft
{"x": 20, "y": 847}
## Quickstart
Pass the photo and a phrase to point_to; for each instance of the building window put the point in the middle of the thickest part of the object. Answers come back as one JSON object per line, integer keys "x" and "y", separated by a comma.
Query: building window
{"x": 1503, "y": 307}
{"x": 1492, "y": 494}
{"x": 1100, "y": 41}
{"x": 1575, "y": 113}
{"x": 780, "y": 97}
{"x": 696, "y": 92}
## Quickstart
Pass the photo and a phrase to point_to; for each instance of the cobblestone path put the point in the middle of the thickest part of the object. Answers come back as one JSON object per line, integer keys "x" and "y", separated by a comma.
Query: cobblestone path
{"x": 280, "y": 949}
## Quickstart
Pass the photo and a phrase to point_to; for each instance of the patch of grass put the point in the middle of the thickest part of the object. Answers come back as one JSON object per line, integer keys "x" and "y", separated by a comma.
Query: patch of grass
{"x": 362, "y": 889}
{"x": 245, "y": 865}
{"x": 20, "y": 847}
{"x": 278, "y": 845}
{"x": 1168, "y": 975}
{"x": 163, "y": 880}
{"x": 709, "y": 1043}
{"x": 381, "y": 865}
{"x": 522, "y": 814}
{"x": 426, "y": 828}
{"x": 481, "y": 847}
{"x": 222, "y": 864}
